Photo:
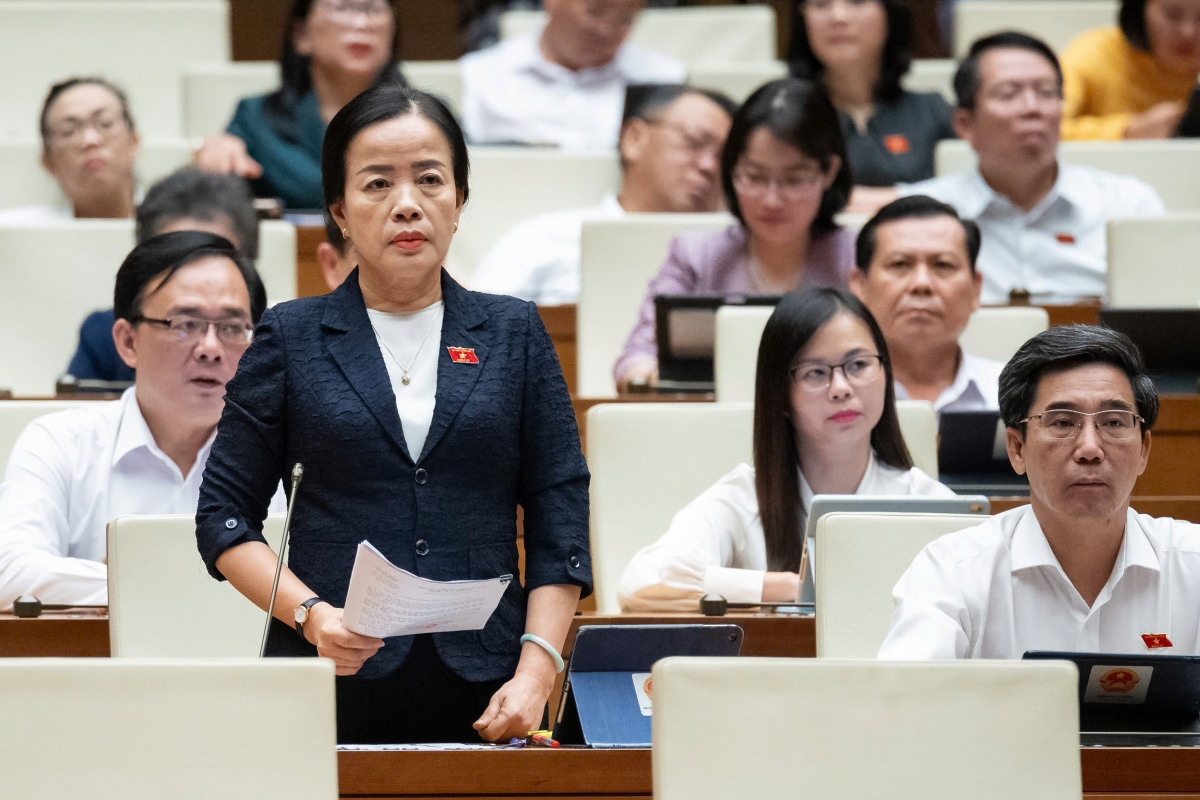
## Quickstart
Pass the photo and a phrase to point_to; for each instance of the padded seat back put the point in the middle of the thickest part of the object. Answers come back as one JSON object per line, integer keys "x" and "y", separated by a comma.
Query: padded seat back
{"x": 1154, "y": 262}
{"x": 1055, "y": 22}
{"x": 997, "y": 333}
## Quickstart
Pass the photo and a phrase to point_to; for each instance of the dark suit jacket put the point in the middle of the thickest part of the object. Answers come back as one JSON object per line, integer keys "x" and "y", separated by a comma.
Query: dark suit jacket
{"x": 96, "y": 356}
{"x": 313, "y": 389}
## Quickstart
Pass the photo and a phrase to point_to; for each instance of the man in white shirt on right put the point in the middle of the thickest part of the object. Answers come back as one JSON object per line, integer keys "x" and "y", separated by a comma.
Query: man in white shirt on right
{"x": 1043, "y": 222}
{"x": 185, "y": 304}
{"x": 564, "y": 85}
{"x": 1077, "y": 569}
{"x": 916, "y": 273}
{"x": 670, "y": 151}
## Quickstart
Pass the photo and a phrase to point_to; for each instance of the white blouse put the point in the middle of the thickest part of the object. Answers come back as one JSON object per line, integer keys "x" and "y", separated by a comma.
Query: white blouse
{"x": 415, "y": 339}
{"x": 715, "y": 545}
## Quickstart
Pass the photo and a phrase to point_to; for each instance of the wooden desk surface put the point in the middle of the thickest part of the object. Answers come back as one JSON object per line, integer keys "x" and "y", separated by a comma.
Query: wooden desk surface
{"x": 1107, "y": 772}
{"x": 55, "y": 633}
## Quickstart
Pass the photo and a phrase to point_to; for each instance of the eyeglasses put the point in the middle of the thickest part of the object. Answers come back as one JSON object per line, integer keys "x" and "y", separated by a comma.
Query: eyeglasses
{"x": 1063, "y": 423}
{"x": 827, "y": 5}
{"x": 859, "y": 371}
{"x": 71, "y": 130}
{"x": 697, "y": 144}
{"x": 234, "y": 333}
{"x": 618, "y": 16}
{"x": 347, "y": 10}
{"x": 792, "y": 186}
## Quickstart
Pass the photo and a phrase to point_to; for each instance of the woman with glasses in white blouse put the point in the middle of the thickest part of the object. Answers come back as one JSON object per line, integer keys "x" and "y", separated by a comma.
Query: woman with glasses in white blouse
{"x": 824, "y": 423}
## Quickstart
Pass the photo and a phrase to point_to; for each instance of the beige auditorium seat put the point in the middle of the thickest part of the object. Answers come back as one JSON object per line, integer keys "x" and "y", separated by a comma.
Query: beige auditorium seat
{"x": 692, "y": 35}
{"x": 115, "y": 729}
{"x": 155, "y": 572}
{"x": 630, "y": 447}
{"x": 25, "y": 183}
{"x": 997, "y": 332}
{"x": 932, "y": 75}
{"x": 15, "y": 415}
{"x": 211, "y": 91}
{"x": 918, "y": 426}
{"x": 512, "y": 184}
{"x": 1167, "y": 165}
{"x": 768, "y": 728}
{"x": 141, "y": 46}
{"x": 1055, "y": 22}
{"x": 76, "y": 263}
{"x": 735, "y": 355}
{"x": 858, "y": 560}
{"x": 1154, "y": 263}
{"x": 738, "y": 79}
{"x": 618, "y": 258}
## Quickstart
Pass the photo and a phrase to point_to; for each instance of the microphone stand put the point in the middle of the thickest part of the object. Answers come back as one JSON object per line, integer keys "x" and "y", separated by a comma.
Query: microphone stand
{"x": 297, "y": 476}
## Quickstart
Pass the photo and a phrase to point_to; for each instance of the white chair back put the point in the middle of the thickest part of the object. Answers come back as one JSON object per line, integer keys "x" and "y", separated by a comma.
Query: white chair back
{"x": 735, "y": 355}
{"x": 211, "y": 91}
{"x": 932, "y": 75}
{"x": 141, "y": 47}
{"x": 154, "y": 571}
{"x": 1166, "y": 165}
{"x": 692, "y": 35}
{"x": 792, "y": 727}
{"x": 234, "y": 729}
{"x": 617, "y": 260}
{"x": 859, "y": 558}
{"x": 997, "y": 332}
{"x": 512, "y": 184}
{"x": 918, "y": 426}
{"x": 631, "y": 448}
{"x": 1055, "y": 22}
{"x": 15, "y": 416}
{"x": 76, "y": 264}
{"x": 27, "y": 184}
{"x": 738, "y": 79}
{"x": 1154, "y": 263}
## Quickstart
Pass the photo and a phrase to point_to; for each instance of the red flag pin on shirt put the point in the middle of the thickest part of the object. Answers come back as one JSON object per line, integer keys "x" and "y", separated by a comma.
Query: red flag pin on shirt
{"x": 1065, "y": 238}
{"x": 896, "y": 144}
{"x": 1156, "y": 640}
{"x": 463, "y": 355}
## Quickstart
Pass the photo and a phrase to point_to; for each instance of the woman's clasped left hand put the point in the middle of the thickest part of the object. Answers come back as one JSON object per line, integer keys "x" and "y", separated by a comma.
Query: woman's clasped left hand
{"x": 516, "y": 708}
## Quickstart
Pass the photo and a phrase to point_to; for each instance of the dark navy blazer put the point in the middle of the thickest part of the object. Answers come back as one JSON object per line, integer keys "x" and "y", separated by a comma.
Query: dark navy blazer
{"x": 313, "y": 389}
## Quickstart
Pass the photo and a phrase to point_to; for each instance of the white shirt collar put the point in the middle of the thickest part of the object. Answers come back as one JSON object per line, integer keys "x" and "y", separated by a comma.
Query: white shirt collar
{"x": 134, "y": 434}
{"x": 971, "y": 376}
{"x": 527, "y": 55}
{"x": 978, "y": 196}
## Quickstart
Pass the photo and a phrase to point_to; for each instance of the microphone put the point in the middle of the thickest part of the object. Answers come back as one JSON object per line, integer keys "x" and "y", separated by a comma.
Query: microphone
{"x": 297, "y": 476}
{"x": 27, "y": 606}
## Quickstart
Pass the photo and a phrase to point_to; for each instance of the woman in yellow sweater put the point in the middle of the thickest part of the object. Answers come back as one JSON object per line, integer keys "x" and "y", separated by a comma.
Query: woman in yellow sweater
{"x": 1133, "y": 81}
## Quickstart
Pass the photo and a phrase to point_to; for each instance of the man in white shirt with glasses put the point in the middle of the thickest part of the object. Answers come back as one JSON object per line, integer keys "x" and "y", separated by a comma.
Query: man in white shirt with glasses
{"x": 185, "y": 306}
{"x": 1077, "y": 569}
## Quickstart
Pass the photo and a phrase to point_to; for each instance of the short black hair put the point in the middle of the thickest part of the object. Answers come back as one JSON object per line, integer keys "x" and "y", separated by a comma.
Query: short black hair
{"x": 646, "y": 100}
{"x": 70, "y": 83}
{"x": 1066, "y": 347}
{"x": 894, "y": 63}
{"x": 798, "y": 113}
{"x": 967, "y": 78}
{"x": 917, "y": 206}
{"x": 1132, "y": 19}
{"x": 190, "y": 193}
{"x": 381, "y": 103}
{"x": 166, "y": 254}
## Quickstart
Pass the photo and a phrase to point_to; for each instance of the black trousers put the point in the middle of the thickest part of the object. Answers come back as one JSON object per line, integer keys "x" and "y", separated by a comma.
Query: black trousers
{"x": 422, "y": 701}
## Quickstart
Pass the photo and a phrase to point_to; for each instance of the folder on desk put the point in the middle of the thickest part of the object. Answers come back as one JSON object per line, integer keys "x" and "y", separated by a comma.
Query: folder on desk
{"x": 607, "y": 696}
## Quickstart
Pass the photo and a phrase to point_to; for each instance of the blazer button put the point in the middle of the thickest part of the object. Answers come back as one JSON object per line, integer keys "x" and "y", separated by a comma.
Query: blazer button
{"x": 574, "y": 562}
{"x": 231, "y": 523}
{"x": 422, "y": 547}
{"x": 421, "y": 476}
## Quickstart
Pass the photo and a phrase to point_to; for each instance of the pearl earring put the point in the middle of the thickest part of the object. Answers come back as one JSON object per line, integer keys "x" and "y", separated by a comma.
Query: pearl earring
{"x": 456, "y": 227}
{"x": 345, "y": 233}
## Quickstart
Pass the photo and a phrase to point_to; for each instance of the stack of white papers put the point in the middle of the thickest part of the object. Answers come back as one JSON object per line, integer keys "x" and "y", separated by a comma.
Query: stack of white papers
{"x": 384, "y": 600}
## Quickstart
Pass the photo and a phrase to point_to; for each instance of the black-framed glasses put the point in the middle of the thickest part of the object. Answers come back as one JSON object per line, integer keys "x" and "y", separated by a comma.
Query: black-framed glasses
{"x": 859, "y": 371}
{"x": 1115, "y": 425}
{"x": 233, "y": 332}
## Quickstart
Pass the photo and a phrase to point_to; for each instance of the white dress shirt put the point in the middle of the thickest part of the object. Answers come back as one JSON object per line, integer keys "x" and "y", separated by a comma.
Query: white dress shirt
{"x": 716, "y": 545}
{"x": 415, "y": 339}
{"x": 538, "y": 259}
{"x": 976, "y": 387}
{"x": 1058, "y": 249}
{"x": 997, "y": 591}
{"x": 69, "y": 475}
{"x": 511, "y": 93}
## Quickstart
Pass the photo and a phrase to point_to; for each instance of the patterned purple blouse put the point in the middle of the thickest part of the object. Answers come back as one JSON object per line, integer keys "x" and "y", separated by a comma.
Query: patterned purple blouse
{"x": 715, "y": 263}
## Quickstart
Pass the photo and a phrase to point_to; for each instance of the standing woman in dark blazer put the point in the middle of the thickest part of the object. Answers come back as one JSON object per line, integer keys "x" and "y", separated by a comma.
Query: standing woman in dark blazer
{"x": 423, "y": 414}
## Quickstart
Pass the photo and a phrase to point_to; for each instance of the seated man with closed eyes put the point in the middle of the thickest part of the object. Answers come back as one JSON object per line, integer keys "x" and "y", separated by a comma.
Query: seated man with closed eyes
{"x": 1077, "y": 569}
{"x": 186, "y": 304}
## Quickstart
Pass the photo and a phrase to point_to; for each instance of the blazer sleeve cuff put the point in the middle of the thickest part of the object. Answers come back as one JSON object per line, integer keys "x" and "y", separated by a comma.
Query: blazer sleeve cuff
{"x": 220, "y": 531}
{"x": 571, "y": 565}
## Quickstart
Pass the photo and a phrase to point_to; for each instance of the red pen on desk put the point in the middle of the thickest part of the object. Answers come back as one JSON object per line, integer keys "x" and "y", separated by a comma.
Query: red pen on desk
{"x": 542, "y": 740}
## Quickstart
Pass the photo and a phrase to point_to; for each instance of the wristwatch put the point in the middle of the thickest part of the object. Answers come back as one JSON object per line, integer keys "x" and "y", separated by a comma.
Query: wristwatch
{"x": 302, "y": 613}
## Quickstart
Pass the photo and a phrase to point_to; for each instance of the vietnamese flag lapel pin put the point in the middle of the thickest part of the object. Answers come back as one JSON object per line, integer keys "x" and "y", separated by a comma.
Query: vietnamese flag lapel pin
{"x": 463, "y": 355}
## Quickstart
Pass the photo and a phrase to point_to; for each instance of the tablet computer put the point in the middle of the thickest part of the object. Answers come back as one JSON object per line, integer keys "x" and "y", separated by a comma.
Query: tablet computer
{"x": 685, "y": 329}
{"x": 973, "y": 457}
